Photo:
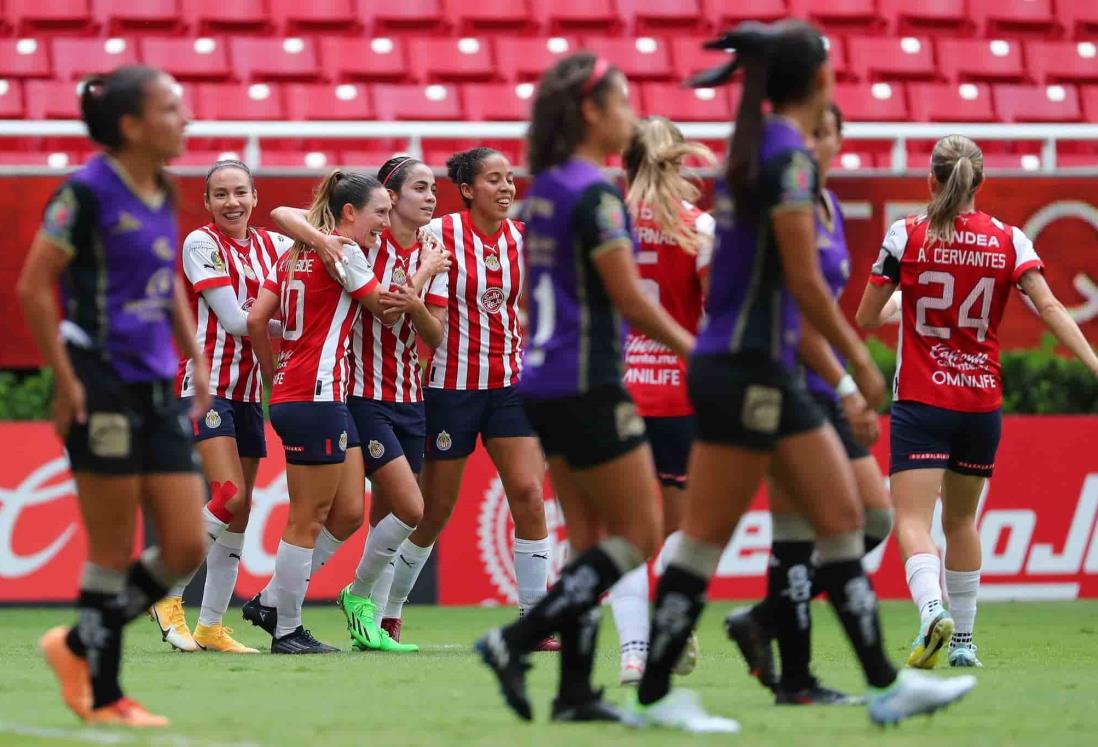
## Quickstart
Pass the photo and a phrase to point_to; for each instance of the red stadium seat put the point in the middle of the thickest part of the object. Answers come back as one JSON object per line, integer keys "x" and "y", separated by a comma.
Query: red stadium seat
{"x": 274, "y": 59}
{"x": 52, "y": 99}
{"x": 519, "y": 58}
{"x": 451, "y": 59}
{"x": 846, "y": 14}
{"x": 497, "y": 101}
{"x": 48, "y": 14}
{"x": 836, "y": 52}
{"x": 978, "y": 59}
{"x": 948, "y": 102}
{"x": 24, "y": 58}
{"x": 927, "y": 16}
{"x": 873, "y": 58}
{"x": 478, "y": 16}
{"x": 417, "y": 16}
{"x": 688, "y": 57}
{"x": 370, "y": 156}
{"x": 417, "y": 102}
{"x": 724, "y": 14}
{"x": 1089, "y": 96}
{"x": 295, "y": 16}
{"x": 137, "y": 15}
{"x": 239, "y": 15}
{"x": 1079, "y": 17}
{"x": 564, "y": 16}
{"x": 238, "y": 101}
{"x": 865, "y": 102}
{"x": 328, "y": 101}
{"x": 298, "y": 157}
{"x": 204, "y": 58}
{"x": 1055, "y": 62}
{"x": 1014, "y": 16}
{"x": 662, "y": 16}
{"x": 11, "y": 100}
{"x": 1055, "y": 103}
{"x": 686, "y": 104}
{"x": 76, "y": 58}
{"x": 377, "y": 59}
{"x": 643, "y": 58}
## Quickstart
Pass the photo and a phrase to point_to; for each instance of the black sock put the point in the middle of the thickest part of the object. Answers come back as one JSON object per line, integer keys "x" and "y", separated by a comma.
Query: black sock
{"x": 680, "y": 599}
{"x": 789, "y": 590}
{"x": 763, "y": 612}
{"x": 99, "y": 628}
{"x": 72, "y": 640}
{"x": 871, "y": 544}
{"x": 142, "y": 590}
{"x": 854, "y": 602}
{"x": 577, "y": 656}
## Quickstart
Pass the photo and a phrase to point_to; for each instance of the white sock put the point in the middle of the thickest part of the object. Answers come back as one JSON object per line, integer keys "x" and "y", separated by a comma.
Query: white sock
{"x": 222, "y": 565}
{"x": 669, "y": 546}
{"x": 292, "y": 564}
{"x": 326, "y": 546}
{"x": 629, "y": 603}
{"x": 408, "y": 563}
{"x": 531, "y": 571}
{"x": 963, "y": 587}
{"x": 267, "y": 596}
{"x": 380, "y": 548}
{"x": 924, "y": 580}
{"x": 380, "y": 594}
{"x": 214, "y": 528}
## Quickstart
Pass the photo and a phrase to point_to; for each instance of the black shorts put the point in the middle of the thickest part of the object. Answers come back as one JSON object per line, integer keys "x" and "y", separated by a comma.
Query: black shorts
{"x": 833, "y": 411}
{"x": 927, "y": 437}
{"x": 313, "y": 432}
{"x": 455, "y": 417}
{"x": 132, "y": 428}
{"x": 387, "y": 430}
{"x": 240, "y": 421}
{"x": 587, "y": 429}
{"x": 748, "y": 400}
{"x": 671, "y": 440}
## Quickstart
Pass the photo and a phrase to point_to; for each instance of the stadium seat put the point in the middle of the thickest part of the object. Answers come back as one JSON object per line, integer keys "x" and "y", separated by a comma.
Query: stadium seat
{"x": 979, "y": 59}
{"x": 874, "y": 58}
{"x": 24, "y": 58}
{"x": 836, "y": 52}
{"x": 369, "y": 156}
{"x": 497, "y": 101}
{"x": 1089, "y": 96}
{"x": 1078, "y": 17}
{"x": 204, "y": 58}
{"x": 927, "y": 16}
{"x": 662, "y": 16}
{"x": 876, "y": 102}
{"x": 642, "y": 58}
{"x": 724, "y": 14}
{"x": 294, "y": 16}
{"x": 1055, "y": 103}
{"x": 949, "y": 102}
{"x": 418, "y": 16}
{"x": 291, "y": 58}
{"x": 431, "y": 102}
{"x": 204, "y": 16}
{"x": 688, "y": 57}
{"x": 569, "y": 16}
{"x": 686, "y": 104}
{"x": 472, "y": 17}
{"x": 468, "y": 58}
{"x": 839, "y": 14}
{"x": 238, "y": 101}
{"x": 1056, "y": 62}
{"x": 299, "y": 157}
{"x": 328, "y": 101}
{"x": 114, "y": 16}
{"x": 29, "y": 15}
{"x": 378, "y": 59}
{"x": 52, "y": 99}
{"x": 520, "y": 59}
{"x": 11, "y": 99}
{"x": 75, "y": 58}
{"x": 1014, "y": 16}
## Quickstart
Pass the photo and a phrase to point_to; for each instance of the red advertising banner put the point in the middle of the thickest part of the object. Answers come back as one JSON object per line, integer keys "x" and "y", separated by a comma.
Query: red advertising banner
{"x": 1037, "y": 525}
{"x": 1059, "y": 214}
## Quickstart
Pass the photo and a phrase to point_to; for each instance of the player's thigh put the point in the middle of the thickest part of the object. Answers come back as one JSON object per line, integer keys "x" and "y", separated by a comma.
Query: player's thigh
{"x": 782, "y": 499}
{"x": 625, "y": 495}
{"x": 173, "y": 502}
{"x": 585, "y": 528}
{"x": 108, "y": 507}
{"x": 817, "y": 473}
{"x": 722, "y": 479}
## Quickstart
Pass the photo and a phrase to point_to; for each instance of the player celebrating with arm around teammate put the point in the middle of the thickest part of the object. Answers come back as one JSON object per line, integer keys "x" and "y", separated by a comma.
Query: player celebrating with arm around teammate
{"x": 955, "y": 266}
{"x": 309, "y": 390}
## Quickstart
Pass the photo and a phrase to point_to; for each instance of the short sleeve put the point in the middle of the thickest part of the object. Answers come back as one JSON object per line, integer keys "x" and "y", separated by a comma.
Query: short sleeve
{"x": 600, "y": 220}
{"x": 438, "y": 290}
{"x": 1025, "y": 256}
{"x": 203, "y": 264}
{"x": 787, "y": 181}
{"x": 706, "y": 228}
{"x": 360, "y": 274}
{"x": 272, "y": 281}
{"x": 69, "y": 218}
{"x": 282, "y": 243}
{"x": 886, "y": 270}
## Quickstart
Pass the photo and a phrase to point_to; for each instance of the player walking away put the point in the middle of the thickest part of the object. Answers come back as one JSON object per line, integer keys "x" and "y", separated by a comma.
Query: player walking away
{"x": 385, "y": 396}
{"x": 584, "y": 284}
{"x": 471, "y": 381}
{"x": 224, "y": 263}
{"x": 309, "y": 390}
{"x": 825, "y": 377}
{"x": 753, "y": 413}
{"x": 955, "y": 266}
{"x": 108, "y": 239}
{"x": 675, "y": 245}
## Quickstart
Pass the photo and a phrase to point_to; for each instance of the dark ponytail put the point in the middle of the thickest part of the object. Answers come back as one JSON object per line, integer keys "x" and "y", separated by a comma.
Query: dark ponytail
{"x": 105, "y": 99}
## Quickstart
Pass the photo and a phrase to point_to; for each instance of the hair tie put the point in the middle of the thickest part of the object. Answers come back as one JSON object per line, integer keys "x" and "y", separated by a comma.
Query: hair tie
{"x": 398, "y": 167}
{"x": 598, "y": 72}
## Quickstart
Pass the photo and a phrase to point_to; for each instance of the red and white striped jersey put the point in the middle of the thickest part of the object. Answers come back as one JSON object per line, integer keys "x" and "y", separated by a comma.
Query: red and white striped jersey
{"x": 383, "y": 359}
{"x": 481, "y": 337}
{"x": 954, "y": 290}
{"x": 654, "y": 375}
{"x": 317, "y": 317}
{"x": 212, "y": 259}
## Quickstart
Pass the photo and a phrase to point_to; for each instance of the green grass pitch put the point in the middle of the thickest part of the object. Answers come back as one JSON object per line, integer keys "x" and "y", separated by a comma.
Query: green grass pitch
{"x": 1039, "y": 686}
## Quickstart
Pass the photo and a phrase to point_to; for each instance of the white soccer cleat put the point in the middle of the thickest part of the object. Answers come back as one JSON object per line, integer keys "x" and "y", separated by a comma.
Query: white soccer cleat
{"x": 963, "y": 655}
{"x": 682, "y": 710}
{"x": 688, "y": 659}
{"x": 632, "y": 668}
{"x": 915, "y": 693}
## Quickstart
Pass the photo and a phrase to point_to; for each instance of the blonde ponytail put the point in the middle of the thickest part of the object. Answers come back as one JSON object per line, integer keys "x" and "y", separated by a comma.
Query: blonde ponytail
{"x": 958, "y": 166}
{"x": 653, "y": 163}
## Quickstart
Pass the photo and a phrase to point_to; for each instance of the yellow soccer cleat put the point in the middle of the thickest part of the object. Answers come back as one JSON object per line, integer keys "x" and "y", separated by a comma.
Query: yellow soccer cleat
{"x": 930, "y": 641}
{"x": 168, "y": 616}
{"x": 219, "y": 638}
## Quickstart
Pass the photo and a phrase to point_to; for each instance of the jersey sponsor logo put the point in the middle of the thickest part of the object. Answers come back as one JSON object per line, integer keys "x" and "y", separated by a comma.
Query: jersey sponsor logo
{"x": 215, "y": 262}
{"x": 109, "y": 435}
{"x": 492, "y": 300}
{"x": 443, "y": 442}
{"x": 491, "y": 261}
{"x": 126, "y": 223}
{"x": 956, "y": 368}
{"x": 963, "y": 237}
{"x": 213, "y": 419}
{"x": 762, "y": 409}
{"x": 376, "y": 449}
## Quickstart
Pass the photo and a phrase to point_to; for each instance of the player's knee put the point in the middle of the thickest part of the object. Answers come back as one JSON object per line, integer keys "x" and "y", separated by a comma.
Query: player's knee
{"x": 957, "y": 523}
{"x": 527, "y": 506}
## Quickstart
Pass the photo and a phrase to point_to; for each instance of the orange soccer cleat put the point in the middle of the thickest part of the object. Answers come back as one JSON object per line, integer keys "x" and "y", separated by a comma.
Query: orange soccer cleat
{"x": 71, "y": 671}
{"x": 126, "y": 712}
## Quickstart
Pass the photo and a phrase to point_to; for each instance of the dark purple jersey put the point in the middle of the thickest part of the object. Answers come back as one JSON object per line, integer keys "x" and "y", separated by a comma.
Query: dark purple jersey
{"x": 835, "y": 266}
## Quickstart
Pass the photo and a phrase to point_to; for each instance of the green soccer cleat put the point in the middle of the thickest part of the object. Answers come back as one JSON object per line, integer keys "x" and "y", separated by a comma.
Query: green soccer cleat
{"x": 963, "y": 655}
{"x": 366, "y": 635}
{"x": 929, "y": 643}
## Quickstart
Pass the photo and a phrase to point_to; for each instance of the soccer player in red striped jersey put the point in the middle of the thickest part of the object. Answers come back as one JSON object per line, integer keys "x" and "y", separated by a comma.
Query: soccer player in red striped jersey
{"x": 224, "y": 263}
{"x": 308, "y": 408}
{"x": 674, "y": 245}
{"x": 955, "y": 267}
{"x": 470, "y": 387}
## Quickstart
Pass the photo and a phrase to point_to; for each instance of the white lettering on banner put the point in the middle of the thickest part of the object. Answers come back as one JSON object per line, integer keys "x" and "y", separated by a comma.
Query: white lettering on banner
{"x": 33, "y": 491}
{"x": 1082, "y": 282}
{"x": 1018, "y": 524}
{"x": 1042, "y": 558}
{"x": 749, "y": 551}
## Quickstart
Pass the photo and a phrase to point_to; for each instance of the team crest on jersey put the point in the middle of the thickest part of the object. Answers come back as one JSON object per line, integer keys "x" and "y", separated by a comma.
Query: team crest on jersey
{"x": 400, "y": 277}
{"x": 213, "y": 419}
{"x": 216, "y": 263}
{"x": 343, "y": 441}
{"x": 491, "y": 261}
{"x": 376, "y": 449}
{"x": 162, "y": 248}
{"x": 443, "y": 442}
{"x": 492, "y": 300}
